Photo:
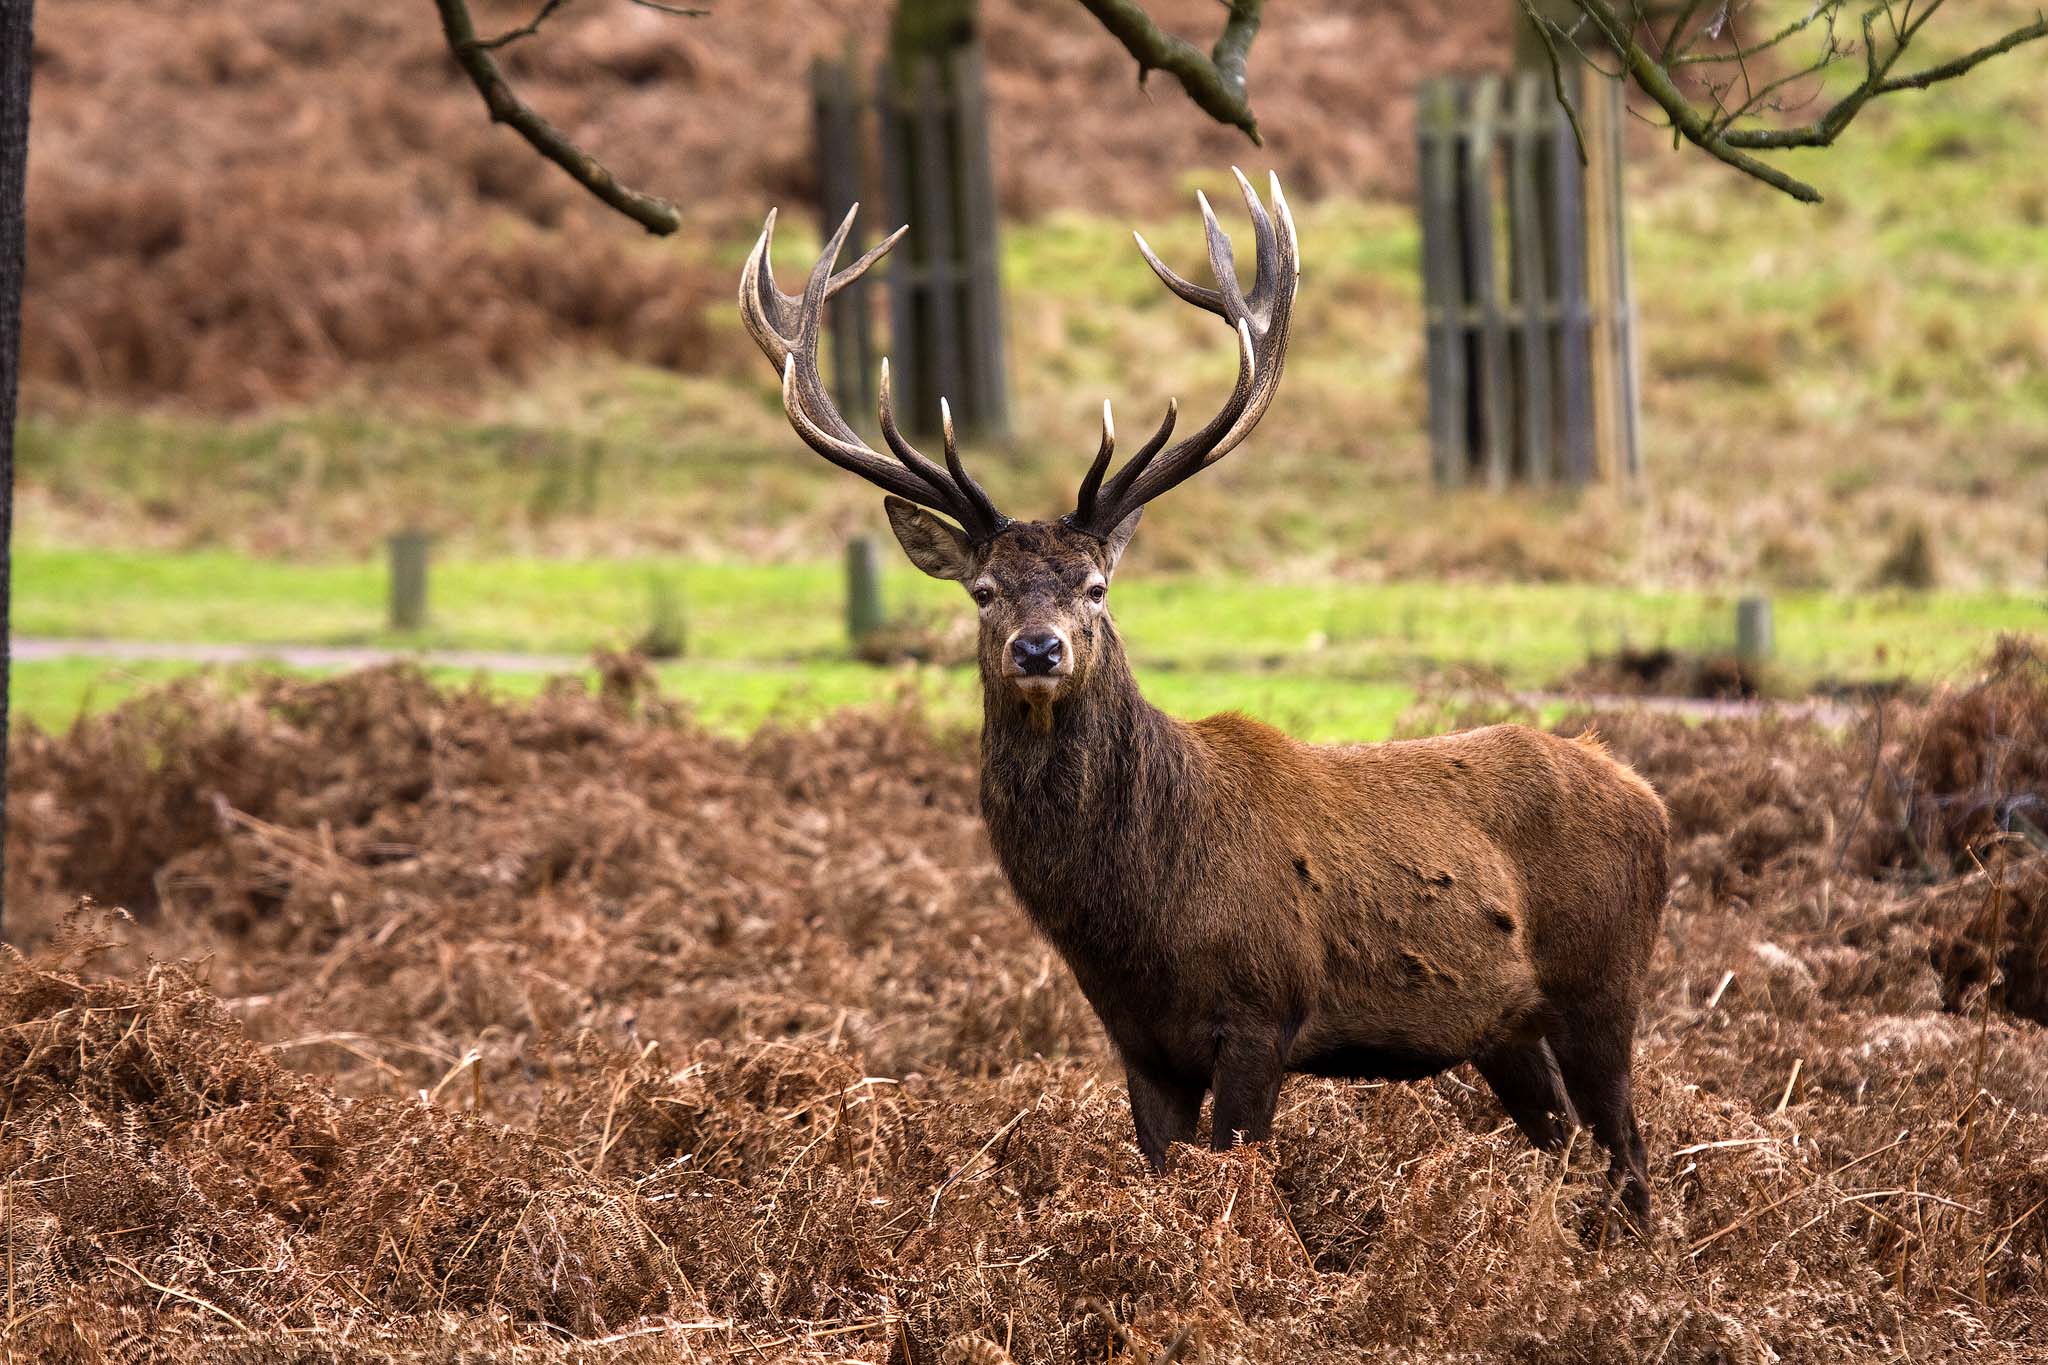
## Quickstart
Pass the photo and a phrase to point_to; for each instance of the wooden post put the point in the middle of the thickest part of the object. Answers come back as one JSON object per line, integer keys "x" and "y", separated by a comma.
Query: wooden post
{"x": 409, "y": 580}
{"x": 863, "y": 589}
{"x": 1754, "y": 642}
{"x": 1603, "y": 112}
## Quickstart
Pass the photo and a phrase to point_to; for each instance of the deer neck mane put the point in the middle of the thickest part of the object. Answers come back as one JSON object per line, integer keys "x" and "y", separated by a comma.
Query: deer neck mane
{"x": 1081, "y": 810}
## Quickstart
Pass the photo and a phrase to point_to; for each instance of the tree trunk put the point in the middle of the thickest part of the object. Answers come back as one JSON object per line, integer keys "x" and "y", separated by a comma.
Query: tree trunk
{"x": 15, "y": 22}
{"x": 929, "y": 28}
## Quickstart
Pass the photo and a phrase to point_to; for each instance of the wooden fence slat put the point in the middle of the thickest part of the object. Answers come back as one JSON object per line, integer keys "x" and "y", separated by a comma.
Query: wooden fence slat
{"x": 906, "y": 375}
{"x": 984, "y": 257}
{"x": 1574, "y": 334}
{"x": 1593, "y": 114}
{"x": 836, "y": 108}
{"x": 1532, "y": 282}
{"x": 1442, "y": 279}
{"x": 935, "y": 193}
{"x": 1492, "y": 371}
{"x": 1628, "y": 414}
{"x": 1531, "y": 339}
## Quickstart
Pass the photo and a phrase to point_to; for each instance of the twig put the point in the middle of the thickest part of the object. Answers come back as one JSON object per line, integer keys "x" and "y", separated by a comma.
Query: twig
{"x": 1571, "y": 113}
{"x": 1790, "y": 1081}
{"x": 192, "y": 1299}
{"x": 525, "y": 30}
{"x": 1715, "y": 999}
{"x": 658, "y": 216}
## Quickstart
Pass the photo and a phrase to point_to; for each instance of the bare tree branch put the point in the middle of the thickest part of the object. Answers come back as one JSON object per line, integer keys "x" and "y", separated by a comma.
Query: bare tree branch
{"x": 1216, "y": 83}
{"x": 658, "y": 216}
{"x": 1736, "y": 98}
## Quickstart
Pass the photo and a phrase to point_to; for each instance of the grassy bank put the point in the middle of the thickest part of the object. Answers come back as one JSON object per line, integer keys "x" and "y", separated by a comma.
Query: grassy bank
{"x": 1325, "y": 658}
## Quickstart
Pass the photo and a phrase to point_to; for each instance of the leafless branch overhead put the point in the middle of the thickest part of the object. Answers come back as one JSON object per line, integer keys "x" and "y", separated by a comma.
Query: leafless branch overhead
{"x": 1217, "y": 83}
{"x": 658, "y": 216}
{"x": 1725, "y": 110}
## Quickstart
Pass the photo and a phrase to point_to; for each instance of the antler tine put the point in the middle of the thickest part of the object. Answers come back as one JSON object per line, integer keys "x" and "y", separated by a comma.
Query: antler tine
{"x": 760, "y": 301}
{"x": 1139, "y": 461}
{"x": 911, "y": 457}
{"x": 1187, "y": 290}
{"x": 818, "y": 285}
{"x": 988, "y": 518}
{"x": 1221, "y": 263}
{"x": 1265, "y": 249}
{"x": 1091, "y": 483}
{"x": 1261, "y": 323}
{"x": 860, "y": 267}
{"x": 787, "y": 328}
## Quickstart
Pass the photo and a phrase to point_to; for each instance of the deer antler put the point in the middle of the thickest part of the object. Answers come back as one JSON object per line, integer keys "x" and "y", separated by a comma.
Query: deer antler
{"x": 787, "y": 326}
{"x": 1260, "y": 322}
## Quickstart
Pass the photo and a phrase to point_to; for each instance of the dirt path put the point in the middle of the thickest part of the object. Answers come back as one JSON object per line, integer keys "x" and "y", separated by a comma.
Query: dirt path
{"x": 36, "y": 649}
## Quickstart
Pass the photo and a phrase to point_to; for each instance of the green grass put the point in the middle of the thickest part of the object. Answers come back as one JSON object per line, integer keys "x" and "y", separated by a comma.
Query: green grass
{"x": 777, "y": 614}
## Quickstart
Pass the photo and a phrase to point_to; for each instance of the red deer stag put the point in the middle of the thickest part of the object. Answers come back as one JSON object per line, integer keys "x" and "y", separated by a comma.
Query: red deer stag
{"x": 1237, "y": 905}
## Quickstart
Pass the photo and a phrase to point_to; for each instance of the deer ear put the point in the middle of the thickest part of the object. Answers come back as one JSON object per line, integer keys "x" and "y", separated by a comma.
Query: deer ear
{"x": 932, "y": 545}
{"x": 1121, "y": 537}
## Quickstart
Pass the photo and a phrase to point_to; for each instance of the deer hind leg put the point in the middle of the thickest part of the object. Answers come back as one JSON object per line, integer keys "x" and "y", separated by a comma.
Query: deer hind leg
{"x": 1594, "y": 1051}
{"x": 1524, "y": 1075}
{"x": 1164, "y": 1111}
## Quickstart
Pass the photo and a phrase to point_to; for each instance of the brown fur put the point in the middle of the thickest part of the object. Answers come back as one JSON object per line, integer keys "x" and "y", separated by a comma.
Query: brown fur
{"x": 1238, "y": 905}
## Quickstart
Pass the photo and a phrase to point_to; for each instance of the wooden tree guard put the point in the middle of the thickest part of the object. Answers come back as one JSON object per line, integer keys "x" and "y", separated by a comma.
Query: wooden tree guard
{"x": 836, "y": 108}
{"x": 945, "y": 298}
{"x": 1530, "y": 325}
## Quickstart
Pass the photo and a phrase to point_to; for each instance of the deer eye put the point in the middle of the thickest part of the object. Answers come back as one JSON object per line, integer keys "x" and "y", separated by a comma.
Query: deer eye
{"x": 1097, "y": 591}
{"x": 983, "y": 595}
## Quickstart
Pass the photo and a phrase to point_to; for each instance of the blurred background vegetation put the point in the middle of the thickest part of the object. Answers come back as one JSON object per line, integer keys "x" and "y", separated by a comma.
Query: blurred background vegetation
{"x": 338, "y": 303}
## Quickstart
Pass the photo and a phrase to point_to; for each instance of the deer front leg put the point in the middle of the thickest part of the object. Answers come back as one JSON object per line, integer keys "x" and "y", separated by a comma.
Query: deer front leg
{"x": 1164, "y": 1110}
{"x": 1249, "y": 1067}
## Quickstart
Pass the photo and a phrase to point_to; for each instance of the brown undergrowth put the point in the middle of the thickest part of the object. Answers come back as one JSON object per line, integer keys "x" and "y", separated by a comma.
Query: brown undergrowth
{"x": 237, "y": 204}
{"x": 445, "y": 1029}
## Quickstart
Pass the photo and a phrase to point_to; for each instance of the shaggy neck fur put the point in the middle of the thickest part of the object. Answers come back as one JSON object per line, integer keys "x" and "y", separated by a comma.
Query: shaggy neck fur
{"x": 1090, "y": 812}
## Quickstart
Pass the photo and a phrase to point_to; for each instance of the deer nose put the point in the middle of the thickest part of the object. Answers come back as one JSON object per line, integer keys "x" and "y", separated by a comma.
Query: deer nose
{"x": 1035, "y": 653}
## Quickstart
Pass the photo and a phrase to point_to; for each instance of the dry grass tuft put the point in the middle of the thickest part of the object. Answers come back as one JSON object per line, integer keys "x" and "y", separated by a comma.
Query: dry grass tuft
{"x": 563, "y": 1031}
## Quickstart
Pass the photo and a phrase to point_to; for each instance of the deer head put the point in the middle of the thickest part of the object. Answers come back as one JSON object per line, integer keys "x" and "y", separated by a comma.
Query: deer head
{"x": 1041, "y": 588}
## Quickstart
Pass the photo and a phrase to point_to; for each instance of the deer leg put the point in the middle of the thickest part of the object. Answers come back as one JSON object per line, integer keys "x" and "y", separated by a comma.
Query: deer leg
{"x": 1525, "y": 1078}
{"x": 1594, "y": 1048}
{"x": 1164, "y": 1111}
{"x": 1249, "y": 1068}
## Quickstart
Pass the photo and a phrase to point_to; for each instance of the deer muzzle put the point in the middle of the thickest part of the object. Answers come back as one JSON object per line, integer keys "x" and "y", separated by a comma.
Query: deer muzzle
{"x": 1038, "y": 659}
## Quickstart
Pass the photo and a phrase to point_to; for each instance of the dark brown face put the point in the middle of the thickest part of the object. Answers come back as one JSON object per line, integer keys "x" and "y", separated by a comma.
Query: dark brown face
{"x": 1041, "y": 590}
